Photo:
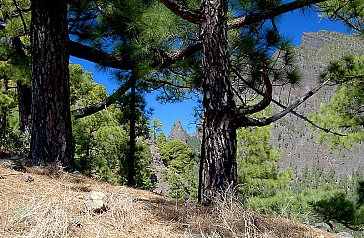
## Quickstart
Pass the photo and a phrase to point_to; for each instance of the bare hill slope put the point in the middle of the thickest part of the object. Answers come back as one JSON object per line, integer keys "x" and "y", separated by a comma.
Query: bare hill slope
{"x": 37, "y": 204}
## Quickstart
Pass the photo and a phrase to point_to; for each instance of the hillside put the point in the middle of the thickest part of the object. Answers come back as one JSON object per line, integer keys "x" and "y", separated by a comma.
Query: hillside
{"x": 39, "y": 204}
{"x": 296, "y": 138}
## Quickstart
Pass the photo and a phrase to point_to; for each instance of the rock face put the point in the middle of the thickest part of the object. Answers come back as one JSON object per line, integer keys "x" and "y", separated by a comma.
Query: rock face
{"x": 296, "y": 138}
{"x": 158, "y": 168}
{"x": 177, "y": 132}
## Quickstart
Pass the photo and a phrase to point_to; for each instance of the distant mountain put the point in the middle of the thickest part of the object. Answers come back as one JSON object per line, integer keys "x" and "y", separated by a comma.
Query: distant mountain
{"x": 298, "y": 139}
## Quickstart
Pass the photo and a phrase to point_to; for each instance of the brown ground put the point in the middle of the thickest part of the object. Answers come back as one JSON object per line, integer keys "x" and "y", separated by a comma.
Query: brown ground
{"x": 36, "y": 204}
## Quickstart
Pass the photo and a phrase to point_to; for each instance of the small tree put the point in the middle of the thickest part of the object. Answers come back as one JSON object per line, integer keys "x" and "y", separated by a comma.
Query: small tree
{"x": 182, "y": 169}
{"x": 155, "y": 128}
{"x": 258, "y": 164}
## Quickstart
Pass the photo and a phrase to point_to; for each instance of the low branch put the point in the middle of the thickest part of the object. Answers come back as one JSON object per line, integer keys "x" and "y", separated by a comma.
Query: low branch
{"x": 285, "y": 107}
{"x": 98, "y": 56}
{"x": 183, "y": 11}
{"x": 87, "y": 111}
{"x": 264, "y": 103}
{"x": 292, "y": 111}
{"x": 270, "y": 13}
{"x": 164, "y": 59}
{"x": 295, "y": 104}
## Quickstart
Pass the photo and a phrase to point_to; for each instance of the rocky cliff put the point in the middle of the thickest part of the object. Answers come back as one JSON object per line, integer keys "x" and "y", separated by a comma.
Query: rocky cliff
{"x": 296, "y": 138}
{"x": 177, "y": 132}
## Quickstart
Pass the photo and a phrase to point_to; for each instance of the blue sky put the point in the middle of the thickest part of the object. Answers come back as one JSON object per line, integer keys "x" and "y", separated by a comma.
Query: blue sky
{"x": 291, "y": 25}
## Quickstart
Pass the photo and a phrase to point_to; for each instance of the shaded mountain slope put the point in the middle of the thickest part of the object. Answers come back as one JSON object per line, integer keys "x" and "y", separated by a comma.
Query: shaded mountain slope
{"x": 298, "y": 139}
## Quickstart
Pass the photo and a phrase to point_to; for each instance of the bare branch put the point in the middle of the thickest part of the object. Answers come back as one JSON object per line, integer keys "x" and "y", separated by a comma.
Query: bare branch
{"x": 83, "y": 112}
{"x": 284, "y": 107}
{"x": 182, "y": 11}
{"x": 267, "y": 97}
{"x": 98, "y": 56}
{"x": 295, "y": 104}
{"x": 270, "y": 13}
{"x": 21, "y": 16}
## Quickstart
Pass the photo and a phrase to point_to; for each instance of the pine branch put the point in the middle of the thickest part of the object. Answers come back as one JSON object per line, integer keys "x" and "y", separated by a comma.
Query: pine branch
{"x": 21, "y": 16}
{"x": 270, "y": 13}
{"x": 290, "y": 108}
{"x": 183, "y": 11}
{"x": 164, "y": 59}
{"x": 264, "y": 103}
{"x": 285, "y": 107}
{"x": 87, "y": 111}
{"x": 98, "y": 56}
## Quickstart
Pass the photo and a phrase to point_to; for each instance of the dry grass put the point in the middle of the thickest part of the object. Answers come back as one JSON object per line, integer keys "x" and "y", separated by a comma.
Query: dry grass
{"x": 38, "y": 204}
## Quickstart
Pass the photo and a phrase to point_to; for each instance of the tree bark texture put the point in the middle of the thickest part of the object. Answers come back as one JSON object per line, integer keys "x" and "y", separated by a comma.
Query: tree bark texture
{"x": 219, "y": 133}
{"x": 51, "y": 118}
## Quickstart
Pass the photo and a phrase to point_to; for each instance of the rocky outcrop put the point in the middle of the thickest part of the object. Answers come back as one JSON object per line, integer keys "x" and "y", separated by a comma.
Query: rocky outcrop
{"x": 158, "y": 168}
{"x": 177, "y": 132}
{"x": 96, "y": 202}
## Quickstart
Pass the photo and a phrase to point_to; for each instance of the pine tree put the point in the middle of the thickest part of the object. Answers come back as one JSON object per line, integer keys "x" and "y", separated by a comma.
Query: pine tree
{"x": 258, "y": 164}
{"x": 51, "y": 136}
{"x": 182, "y": 169}
{"x": 155, "y": 128}
{"x": 150, "y": 31}
{"x": 344, "y": 112}
{"x": 101, "y": 140}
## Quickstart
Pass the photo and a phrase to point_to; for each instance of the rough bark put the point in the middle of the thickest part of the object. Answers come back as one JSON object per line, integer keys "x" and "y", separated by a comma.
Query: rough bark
{"x": 51, "y": 118}
{"x": 219, "y": 134}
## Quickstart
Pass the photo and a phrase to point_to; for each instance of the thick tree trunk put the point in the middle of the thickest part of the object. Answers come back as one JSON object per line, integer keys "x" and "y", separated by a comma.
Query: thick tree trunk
{"x": 51, "y": 118}
{"x": 25, "y": 105}
{"x": 219, "y": 133}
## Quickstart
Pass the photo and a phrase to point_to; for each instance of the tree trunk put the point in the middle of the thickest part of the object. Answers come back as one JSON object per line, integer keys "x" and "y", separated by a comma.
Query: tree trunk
{"x": 24, "y": 91}
{"x": 219, "y": 133}
{"x": 131, "y": 157}
{"x": 51, "y": 118}
{"x": 24, "y": 105}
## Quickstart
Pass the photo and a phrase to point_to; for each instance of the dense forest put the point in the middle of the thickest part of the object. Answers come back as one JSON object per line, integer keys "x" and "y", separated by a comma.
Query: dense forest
{"x": 231, "y": 55}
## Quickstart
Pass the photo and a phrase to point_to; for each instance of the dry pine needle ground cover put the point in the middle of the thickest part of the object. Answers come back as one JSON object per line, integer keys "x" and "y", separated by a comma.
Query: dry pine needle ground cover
{"x": 37, "y": 204}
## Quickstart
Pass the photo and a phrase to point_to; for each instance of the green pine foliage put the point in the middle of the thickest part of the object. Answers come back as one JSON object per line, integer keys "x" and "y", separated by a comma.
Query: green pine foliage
{"x": 155, "y": 128}
{"x": 344, "y": 112}
{"x": 161, "y": 138}
{"x": 182, "y": 170}
{"x": 101, "y": 140}
{"x": 258, "y": 172}
{"x": 342, "y": 208}
{"x": 350, "y": 12}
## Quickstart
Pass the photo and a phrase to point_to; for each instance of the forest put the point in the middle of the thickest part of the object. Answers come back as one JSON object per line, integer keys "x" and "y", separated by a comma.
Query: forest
{"x": 228, "y": 56}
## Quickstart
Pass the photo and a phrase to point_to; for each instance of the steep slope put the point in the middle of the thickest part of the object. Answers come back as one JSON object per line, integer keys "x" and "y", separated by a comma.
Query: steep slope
{"x": 298, "y": 139}
{"x": 40, "y": 204}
